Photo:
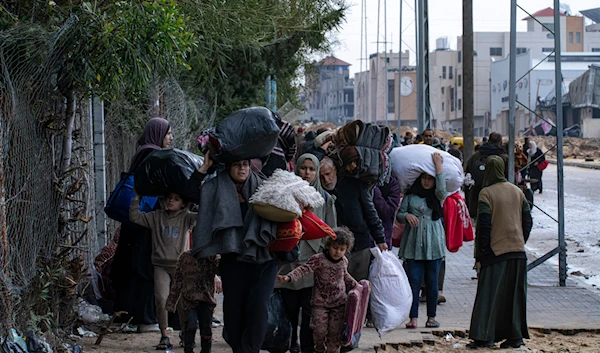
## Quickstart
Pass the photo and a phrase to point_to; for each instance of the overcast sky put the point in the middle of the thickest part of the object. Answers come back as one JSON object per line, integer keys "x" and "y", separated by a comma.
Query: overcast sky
{"x": 445, "y": 19}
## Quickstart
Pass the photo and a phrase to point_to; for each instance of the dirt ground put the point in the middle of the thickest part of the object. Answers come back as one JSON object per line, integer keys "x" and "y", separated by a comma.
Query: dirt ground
{"x": 539, "y": 342}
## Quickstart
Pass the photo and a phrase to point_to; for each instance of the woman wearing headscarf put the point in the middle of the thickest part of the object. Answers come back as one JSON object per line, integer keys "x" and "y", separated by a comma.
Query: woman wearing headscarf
{"x": 227, "y": 225}
{"x": 503, "y": 226}
{"x": 297, "y": 295}
{"x": 423, "y": 241}
{"x": 535, "y": 156}
{"x": 132, "y": 271}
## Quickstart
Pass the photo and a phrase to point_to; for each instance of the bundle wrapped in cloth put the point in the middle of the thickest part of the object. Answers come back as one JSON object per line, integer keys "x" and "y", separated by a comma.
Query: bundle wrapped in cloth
{"x": 287, "y": 199}
{"x": 409, "y": 162}
{"x": 362, "y": 151}
{"x": 283, "y": 197}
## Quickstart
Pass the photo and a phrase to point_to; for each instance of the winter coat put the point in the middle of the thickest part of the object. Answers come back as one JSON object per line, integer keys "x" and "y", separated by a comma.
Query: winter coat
{"x": 387, "y": 199}
{"x": 472, "y": 194}
{"x": 356, "y": 210}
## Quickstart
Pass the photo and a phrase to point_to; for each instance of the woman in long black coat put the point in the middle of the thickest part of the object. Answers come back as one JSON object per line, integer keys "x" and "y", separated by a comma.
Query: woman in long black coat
{"x": 535, "y": 155}
{"x": 132, "y": 272}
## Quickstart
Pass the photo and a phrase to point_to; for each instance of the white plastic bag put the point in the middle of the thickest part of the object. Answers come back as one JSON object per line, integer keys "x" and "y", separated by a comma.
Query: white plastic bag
{"x": 410, "y": 161}
{"x": 391, "y": 295}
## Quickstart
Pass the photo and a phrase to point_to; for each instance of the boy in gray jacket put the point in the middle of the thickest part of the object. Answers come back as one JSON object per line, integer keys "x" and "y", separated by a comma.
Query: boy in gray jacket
{"x": 170, "y": 227}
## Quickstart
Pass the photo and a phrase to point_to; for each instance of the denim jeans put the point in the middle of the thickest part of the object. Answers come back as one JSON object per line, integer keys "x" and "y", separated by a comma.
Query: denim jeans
{"x": 415, "y": 271}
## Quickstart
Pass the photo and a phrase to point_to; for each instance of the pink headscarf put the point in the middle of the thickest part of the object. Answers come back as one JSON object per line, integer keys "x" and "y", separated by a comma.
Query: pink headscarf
{"x": 152, "y": 138}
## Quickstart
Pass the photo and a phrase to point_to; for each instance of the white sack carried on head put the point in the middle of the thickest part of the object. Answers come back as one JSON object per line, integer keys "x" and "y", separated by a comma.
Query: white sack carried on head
{"x": 410, "y": 161}
{"x": 289, "y": 192}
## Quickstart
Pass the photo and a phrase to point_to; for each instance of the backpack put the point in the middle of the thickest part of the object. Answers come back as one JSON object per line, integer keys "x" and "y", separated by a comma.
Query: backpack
{"x": 478, "y": 171}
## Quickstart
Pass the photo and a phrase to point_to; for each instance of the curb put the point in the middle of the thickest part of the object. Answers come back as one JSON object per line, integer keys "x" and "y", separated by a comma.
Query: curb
{"x": 588, "y": 165}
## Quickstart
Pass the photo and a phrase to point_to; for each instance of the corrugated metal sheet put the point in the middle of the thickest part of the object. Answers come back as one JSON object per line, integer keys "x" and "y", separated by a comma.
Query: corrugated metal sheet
{"x": 584, "y": 91}
{"x": 592, "y": 14}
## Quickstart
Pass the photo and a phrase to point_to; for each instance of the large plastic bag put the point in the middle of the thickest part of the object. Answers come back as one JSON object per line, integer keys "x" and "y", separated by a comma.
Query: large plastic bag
{"x": 119, "y": 202}
{"x": 165, "y": 171}
{"x": 410, "y": 161}
{"x": 391, "y": 295}
{"x": 279, "y": 328}
{"x": 245, "y": 134}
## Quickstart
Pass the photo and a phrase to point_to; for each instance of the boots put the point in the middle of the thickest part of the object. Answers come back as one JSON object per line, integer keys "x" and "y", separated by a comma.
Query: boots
{"x": 206, "y": 345}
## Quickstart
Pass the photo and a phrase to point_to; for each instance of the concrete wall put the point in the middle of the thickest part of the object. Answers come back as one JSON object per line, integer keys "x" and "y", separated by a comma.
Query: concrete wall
{"x": 589, "y": 127}
{"x": 575, "y": 28}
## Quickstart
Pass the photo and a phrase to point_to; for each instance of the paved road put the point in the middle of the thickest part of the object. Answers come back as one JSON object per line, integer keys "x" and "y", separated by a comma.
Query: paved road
{"x": 582, "y": 197}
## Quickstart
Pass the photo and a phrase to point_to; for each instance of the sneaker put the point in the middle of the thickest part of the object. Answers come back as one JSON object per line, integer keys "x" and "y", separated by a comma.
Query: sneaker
{"x": 148, "y": 328}
{"x": 216, "y": 322}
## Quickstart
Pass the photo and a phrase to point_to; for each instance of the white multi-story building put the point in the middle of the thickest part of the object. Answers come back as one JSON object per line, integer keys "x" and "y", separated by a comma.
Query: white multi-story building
{"x": 576, "y": 36}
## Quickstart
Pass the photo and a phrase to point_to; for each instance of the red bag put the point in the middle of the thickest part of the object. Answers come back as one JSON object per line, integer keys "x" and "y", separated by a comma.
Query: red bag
{"x": 397, "y": 234}
{"x": 314, "y": 227}
{"x": 457, "y": 222}
{"x": 288, "y": 235}
{"x": 357, "y": 304}
{"x": 398, "y": 229}
{"x": 543, "y": 165}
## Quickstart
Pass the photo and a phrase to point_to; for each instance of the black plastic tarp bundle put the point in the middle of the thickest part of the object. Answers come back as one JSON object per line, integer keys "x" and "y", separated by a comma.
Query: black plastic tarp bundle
{"x": 279, "y": 328}
{"x": 165, "y": 171}
{"x": 245, "y": 134}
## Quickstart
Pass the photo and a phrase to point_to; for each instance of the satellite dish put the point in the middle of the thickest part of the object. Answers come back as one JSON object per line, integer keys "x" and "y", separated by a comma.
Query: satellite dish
{"x": 550, "y": 36}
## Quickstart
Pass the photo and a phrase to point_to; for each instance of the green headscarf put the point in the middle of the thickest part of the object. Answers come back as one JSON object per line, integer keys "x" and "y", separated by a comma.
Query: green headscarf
{"x": 494, "y": 171}
{"x": 320, "y": 212}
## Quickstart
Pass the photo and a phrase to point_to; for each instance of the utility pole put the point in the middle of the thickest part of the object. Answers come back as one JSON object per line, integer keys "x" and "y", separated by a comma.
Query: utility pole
{"x": 368, "y": 66}
{"x": 558, "y": 80}
{"x": 399, "y": 69}
{"x": 427, "y": 108}
{"x": 512, "y": 90}
{"x": 468, "y": 84}
{"x": 385, "y": 99}
{"x": 420, "y": 66}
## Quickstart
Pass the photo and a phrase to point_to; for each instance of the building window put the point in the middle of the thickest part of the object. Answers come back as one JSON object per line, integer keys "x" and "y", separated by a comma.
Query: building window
{"x": 443, "y": 72}
{"x": 460, "y": 56}
{"x": 391, "y": 95}
{"x": 570, "y": 37}
{"x": 549, "y": 26}
{"x": 460, "y": 104}
{"x": 442, "y": 106}
{"x": 594, "y": 50}
{"x": 521, "y": 50}
{"x": 443, "y": 90}
{"x": 495, "y": 51}
{"x": 451, "y": 99}
{"x": 450, "y": 71}
{"x": 459, "y": 80}
{"x": 547, "y": 50}
{"x": 578, "y": 37}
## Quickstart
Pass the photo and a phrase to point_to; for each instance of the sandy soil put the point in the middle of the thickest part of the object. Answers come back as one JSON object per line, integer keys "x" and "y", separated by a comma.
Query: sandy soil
{"x": 539, "y": 342}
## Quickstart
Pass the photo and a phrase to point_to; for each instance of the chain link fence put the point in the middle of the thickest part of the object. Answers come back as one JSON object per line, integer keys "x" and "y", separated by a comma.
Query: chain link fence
{"x": 48, "y": 233}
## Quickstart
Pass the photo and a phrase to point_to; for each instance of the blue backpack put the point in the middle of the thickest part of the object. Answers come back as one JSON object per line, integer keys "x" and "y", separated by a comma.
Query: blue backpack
{"x": 119, "y": 202}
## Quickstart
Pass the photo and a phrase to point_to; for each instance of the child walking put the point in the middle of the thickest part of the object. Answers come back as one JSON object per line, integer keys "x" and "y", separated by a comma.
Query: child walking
{"x": 332, "y": 282}
{"x": 194, "y": 288}
{"x": 170, "y": 227}
{"x": 423, "y": 241}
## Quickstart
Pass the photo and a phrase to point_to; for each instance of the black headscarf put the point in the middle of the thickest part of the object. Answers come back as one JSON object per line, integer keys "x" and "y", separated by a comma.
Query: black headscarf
{"x": 429, "y": 196}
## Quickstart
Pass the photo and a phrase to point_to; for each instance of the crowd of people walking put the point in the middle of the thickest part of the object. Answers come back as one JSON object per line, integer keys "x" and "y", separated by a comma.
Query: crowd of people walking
{"x": 189, "y": 248}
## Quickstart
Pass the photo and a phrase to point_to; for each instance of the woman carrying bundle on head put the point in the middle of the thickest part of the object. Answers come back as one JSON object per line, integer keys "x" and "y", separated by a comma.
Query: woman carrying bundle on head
{"x": 423, "y": 242}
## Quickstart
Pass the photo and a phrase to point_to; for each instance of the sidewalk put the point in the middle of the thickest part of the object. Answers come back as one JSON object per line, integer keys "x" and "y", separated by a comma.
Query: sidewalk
{"x": 578, "y": 163}
{"x": 548, "y": 305}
